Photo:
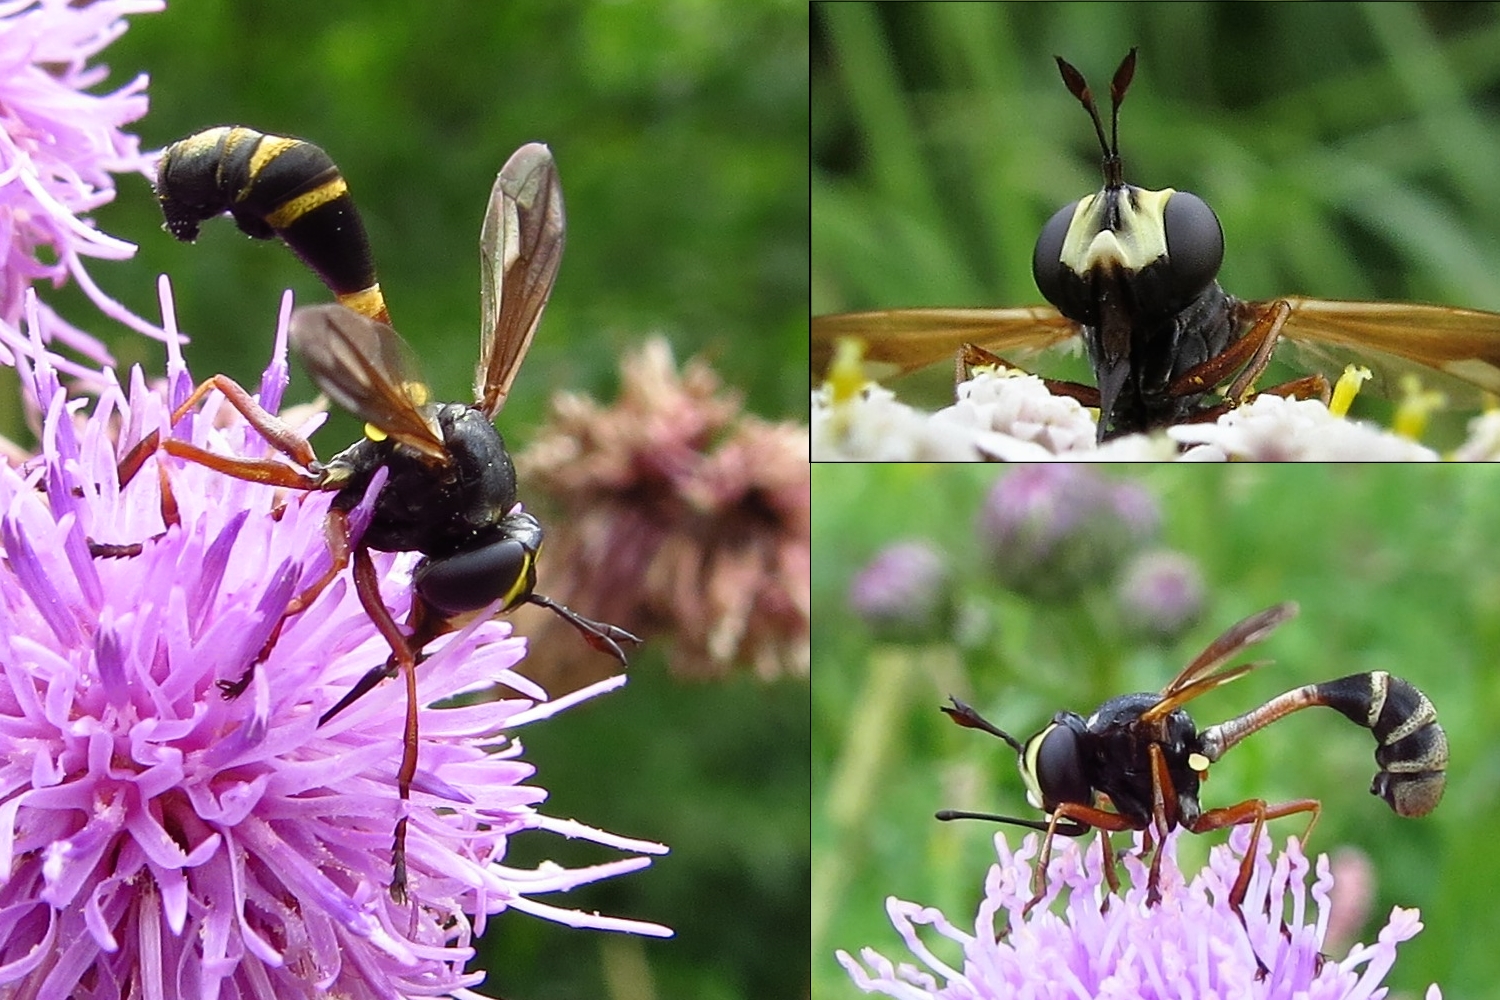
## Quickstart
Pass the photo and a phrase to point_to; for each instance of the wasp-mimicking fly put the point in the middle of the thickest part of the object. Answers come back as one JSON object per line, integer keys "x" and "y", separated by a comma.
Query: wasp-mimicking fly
{"x": 1133, "y": 274}
{"x": 451, "y": 487}
{"x": 1143, "y": 755}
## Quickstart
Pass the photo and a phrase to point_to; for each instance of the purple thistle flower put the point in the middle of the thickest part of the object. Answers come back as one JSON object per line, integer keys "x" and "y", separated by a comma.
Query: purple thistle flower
{"x": 904, "y": 592}
{"x": 1050, "y": 531}
{"x": 1190, "y": 945}
{"x": 1161, "y": 592}
{"x": 158, "y": 839}
{"x": 59, "y": 147}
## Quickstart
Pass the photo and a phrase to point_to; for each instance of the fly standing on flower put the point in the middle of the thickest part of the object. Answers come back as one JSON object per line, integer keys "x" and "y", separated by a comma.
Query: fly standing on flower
{"x": 1143, "y": 755}
{"x": 1133, "y": 274}
{"x": 451, "y": 490}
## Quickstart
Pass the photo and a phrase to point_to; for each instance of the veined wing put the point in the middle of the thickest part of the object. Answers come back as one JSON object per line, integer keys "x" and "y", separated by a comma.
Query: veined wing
{"x": 366, "y": 368}
{"x": 520, "y": 248}
{"x": 1208, "y": 671}
{"x": 1456, "y": 350}
{"x": 898, "y": 341}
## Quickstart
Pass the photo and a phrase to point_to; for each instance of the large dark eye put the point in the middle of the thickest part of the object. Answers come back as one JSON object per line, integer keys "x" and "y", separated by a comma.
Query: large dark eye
{"x": 1058, "y": 766}
{"x": 467, "y": 581}
{"x": 1195, "y": 244}
{"x": 1046, "y": 267}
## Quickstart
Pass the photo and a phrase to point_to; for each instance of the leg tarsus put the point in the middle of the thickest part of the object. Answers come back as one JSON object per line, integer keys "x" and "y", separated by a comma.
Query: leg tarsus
{"x": 604, "y": 637}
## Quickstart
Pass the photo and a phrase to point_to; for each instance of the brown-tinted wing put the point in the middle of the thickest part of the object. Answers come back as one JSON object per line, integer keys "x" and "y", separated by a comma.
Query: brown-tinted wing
{"x": 1461, "y": 344}
{"x": 520, "y": 248}
{"x": 1207, "y": 670}
{"x": 366, "y": 368}
{"x": 898, "y": 341}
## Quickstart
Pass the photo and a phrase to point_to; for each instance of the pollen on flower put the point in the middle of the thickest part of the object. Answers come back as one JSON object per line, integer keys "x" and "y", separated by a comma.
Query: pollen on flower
{"x": 158, "y": 838}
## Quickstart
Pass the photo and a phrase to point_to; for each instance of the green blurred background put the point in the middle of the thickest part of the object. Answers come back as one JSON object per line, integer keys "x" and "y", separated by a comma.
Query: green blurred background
{"x": 1394, "y": 569}
{"x": 1348, "y": 149}
{"x": 679, "y": 129}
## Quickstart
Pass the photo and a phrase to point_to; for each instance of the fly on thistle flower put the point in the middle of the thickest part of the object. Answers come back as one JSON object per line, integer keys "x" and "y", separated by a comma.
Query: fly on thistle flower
{"x": 1194, "y": 943}
{"x": 161, "y": 839}
{"x": 449, "y": 486}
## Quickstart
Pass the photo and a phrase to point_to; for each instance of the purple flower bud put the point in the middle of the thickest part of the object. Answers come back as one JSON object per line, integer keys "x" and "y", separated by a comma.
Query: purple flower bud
{"x": 1161, "y": 593}
{"x": 904, "y": 592}
{"x": 1050, "y": 531}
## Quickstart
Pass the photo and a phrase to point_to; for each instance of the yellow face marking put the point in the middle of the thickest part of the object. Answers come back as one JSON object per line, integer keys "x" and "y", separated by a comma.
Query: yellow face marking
{"x": 291, "y": 211}
{"x": 1140, "y": 238}
{"x": 1027, "y": 762}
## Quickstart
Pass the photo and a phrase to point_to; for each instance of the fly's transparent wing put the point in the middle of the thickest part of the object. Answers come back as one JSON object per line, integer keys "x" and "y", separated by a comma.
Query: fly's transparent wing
{"x": 366, "y": 368}
{"x": 520, "y": 248}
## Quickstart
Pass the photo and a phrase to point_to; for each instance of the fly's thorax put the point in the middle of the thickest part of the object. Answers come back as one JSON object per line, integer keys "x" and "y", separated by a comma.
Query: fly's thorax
{"x": 433, "y": 507}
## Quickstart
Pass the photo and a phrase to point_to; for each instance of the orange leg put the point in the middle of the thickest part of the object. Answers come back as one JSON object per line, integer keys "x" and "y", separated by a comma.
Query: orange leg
{"x": 1252, "y": 351}
{"x": 367, "y": 586}
{"x": 336, "y": 534}
{"x": 271, "y": 427}
{"x": 1085, "y": 816}
{"x": 972, "y": 356}
{"x": 1256, "y": 811}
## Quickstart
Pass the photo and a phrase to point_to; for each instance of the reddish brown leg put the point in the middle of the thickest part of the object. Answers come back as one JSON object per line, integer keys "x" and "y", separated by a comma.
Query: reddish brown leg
{"x": 1252, "y": 351}
{"x": 1307, "y": 387}
{"x": 136, "y": 457}
{"x": 255, "y": 470}
{"x": 170, "y": 515}
{"x": 972, "y": 356}
{"x": 271, "y": 427}
{"x": 367, "y": 586}
{"x": 1256, "y": 811}
{"x": 1099, "y": 819}
{"x": 1107, "y": 858}
{"x": 1164, "y": 816}
{"x": 336, "y": 534}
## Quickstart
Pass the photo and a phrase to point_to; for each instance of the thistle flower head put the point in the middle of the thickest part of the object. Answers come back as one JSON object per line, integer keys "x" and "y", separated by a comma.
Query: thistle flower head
{"x": 1051, "y": 530}
{"x": 905, "y": 592}
{"x": 679, "y": 515}
{"x": 60, "y": 146}
{"x": 160, "y": 839}
{"x": 1191, "y": 945}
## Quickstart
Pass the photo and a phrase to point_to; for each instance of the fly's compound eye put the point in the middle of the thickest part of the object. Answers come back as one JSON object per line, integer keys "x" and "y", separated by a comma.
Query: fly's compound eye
{"x": 1195, "y": 245}
{"x": 1059, "y": 285}
{"x": 1052, "y": 765}
{"x": 468, "y": 581}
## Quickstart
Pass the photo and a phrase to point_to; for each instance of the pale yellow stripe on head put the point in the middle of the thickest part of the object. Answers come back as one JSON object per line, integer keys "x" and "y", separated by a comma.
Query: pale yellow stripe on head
{"x": 291, "y": 211}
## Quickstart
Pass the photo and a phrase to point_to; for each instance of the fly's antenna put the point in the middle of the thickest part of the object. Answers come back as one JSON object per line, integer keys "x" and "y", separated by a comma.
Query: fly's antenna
{"x": 1079, "y": 88}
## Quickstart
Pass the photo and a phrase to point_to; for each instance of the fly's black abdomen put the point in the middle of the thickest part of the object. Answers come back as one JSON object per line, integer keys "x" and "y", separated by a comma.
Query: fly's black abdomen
{"x": 1413, "y": 750}
{"x": 273, "y": 186}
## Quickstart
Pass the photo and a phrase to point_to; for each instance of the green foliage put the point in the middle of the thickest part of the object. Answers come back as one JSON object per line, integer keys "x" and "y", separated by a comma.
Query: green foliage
{"x": 1393, "y": 568}
{"x": 679, "y": 130}
{"x": 1348, "y": 149}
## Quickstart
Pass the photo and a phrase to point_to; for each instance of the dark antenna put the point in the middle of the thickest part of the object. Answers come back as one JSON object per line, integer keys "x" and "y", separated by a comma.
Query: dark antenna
{"x": 1114, "y": 175}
